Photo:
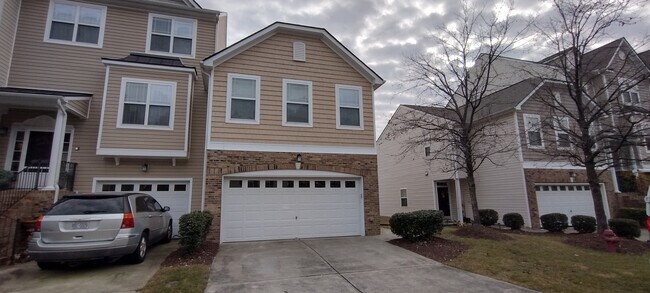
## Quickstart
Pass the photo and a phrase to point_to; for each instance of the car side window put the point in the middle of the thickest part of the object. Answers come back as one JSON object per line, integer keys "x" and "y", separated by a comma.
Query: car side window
{"x": 156, "y": 205}
{"x": 141, "y": 204}
{"x": 151, "y": 204}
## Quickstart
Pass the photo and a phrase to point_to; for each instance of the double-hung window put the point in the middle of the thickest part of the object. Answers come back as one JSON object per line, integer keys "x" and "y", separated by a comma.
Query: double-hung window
{"x": 533, "y": 126}
{"x": 631, "y": 97}
{"x": 147, "y": 103}
{"x": 297, "y": 103}
{"x": 561, "y": 126}
{"x": 243, "y": 103}
{"x": 403, "y": 197}
{"x": 349, "y": 109}
{"x": 75, "y": 23}
{"x": 171, "y": 35}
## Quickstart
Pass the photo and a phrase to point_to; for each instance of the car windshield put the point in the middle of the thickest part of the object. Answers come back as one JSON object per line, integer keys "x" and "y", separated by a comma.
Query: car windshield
{"x": 88, "y": 205}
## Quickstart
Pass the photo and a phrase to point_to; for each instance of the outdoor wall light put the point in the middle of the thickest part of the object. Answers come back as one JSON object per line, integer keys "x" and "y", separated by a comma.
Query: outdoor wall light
{"x": 144, "y": 168}
{"x": 298, "y": 161}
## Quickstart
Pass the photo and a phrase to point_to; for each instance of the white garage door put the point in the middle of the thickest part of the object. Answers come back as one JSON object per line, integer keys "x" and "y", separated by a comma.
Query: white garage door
{"x": 568, "y": 199}
{"x": 286, "y": 208}
{"x": 174, "y": 194}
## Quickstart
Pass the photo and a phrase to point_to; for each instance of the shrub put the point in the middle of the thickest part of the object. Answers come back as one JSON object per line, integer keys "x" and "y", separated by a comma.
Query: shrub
{"x": 467, "y": 220}
{"x": 633, "y": 214}
{"x": 193, "y": 228}
{"x": 488, "y": 217}
{"x": 583, "y": 224}
{"x": 625, "y": 228}
{"x": 513, "y": 220}
{"x": 554, "y": 222}
{"x": 418, "y": 225}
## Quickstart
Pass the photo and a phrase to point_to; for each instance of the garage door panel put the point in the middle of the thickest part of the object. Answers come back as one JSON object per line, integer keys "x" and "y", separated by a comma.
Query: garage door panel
{"x": 570, "y": 200}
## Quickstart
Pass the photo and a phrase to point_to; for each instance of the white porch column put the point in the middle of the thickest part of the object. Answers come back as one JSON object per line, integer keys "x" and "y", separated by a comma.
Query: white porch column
{"x": 57, "y": 148}
{"x": 459, "y": 199}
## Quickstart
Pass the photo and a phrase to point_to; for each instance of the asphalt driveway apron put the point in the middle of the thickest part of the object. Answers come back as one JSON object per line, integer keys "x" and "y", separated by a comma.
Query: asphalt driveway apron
{"x": 346, "y": 264}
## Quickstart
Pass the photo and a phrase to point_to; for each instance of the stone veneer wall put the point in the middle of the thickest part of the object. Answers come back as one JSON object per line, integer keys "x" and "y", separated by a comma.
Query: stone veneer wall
{"x": 562, "y": 176}
{"x": 220, "y": 163}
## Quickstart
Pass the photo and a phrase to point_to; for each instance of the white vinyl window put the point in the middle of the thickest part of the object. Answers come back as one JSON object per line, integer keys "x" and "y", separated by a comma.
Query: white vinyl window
{"x": 171, "y": 35}
{"x": 146, "y": 104}
{"x": 427, "y": 151}
{"x": 557, "y": 99}
{"x": 75, "y": 23}
{"x": 631, "y": 97}
{"x": 243, "y": 102}
{"x": 561, "y": 126}
{"x": 297, "y": 103}
{"x": 403, "y": 197}
{"x": 533, "y": 126}
{"x": 349, "y": 109}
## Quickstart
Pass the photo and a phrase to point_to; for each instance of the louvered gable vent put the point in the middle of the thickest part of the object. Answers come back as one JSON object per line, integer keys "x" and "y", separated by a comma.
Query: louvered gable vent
{"x": 299, "y": 52}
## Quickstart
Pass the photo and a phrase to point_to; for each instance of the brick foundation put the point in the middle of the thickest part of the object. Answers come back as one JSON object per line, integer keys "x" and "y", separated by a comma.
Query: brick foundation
{"x": 222, "y": 163}
{"x": 534, "y": 176}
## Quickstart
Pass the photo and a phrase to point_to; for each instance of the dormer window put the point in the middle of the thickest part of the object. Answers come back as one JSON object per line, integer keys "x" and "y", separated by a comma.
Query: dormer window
{"x": 171, "y": 36}
{"x": 631, "y": 97}
{"x": 75, "y": 23}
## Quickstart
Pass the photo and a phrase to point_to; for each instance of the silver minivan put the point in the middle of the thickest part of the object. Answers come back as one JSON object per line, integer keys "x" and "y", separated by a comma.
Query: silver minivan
{"x": 99, "y": 226}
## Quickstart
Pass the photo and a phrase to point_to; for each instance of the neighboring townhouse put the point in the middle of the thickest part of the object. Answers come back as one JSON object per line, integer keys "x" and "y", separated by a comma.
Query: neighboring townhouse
{"x": 274, "y": 135}
{"x": 526, "y": 181}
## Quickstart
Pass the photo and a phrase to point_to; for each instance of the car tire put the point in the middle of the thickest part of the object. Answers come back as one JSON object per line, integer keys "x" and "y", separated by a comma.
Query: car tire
{"x": 140, "y": 252}
{"x": 48, "y": 265}
{"x": 168, "y": 235}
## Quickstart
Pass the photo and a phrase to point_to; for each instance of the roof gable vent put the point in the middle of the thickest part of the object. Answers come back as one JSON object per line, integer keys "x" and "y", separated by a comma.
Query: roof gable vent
{"x": 299, "y": 52}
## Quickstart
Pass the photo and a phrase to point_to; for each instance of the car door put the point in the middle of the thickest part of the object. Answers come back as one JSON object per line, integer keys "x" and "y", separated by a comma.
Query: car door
{"x": 155, "y": 217}
{"x": 142, "y": 214}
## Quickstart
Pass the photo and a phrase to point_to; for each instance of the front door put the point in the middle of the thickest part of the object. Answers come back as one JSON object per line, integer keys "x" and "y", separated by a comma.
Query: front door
{"x": 443, "y": 199}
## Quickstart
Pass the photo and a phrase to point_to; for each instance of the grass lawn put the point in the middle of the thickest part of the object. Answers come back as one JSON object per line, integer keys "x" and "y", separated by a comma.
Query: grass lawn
{"x": 185, "y": 279}
{"x": 544, "y": 263}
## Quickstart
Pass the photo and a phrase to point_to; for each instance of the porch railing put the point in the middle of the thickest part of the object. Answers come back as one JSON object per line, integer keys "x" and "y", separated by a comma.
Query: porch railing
{"x": 21, "y": 183}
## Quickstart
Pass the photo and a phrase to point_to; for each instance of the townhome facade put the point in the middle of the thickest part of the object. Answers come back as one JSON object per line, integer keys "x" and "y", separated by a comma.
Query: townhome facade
{"x": 528, "y": 180}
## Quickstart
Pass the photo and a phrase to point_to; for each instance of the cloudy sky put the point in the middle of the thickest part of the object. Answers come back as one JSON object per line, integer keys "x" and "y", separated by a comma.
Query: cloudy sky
{"x": 383, "y": 32}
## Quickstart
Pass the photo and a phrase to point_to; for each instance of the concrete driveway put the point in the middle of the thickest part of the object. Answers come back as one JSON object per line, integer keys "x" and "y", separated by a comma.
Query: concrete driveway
{"x": 90, "y": 277}
{"x": 348, "y": 264}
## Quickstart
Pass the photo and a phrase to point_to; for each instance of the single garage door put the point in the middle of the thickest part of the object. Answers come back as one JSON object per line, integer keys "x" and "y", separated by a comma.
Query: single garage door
{"x": 568, "y": 199}
{"x": 174, "y": 194}
{"x": 286, "y": 208}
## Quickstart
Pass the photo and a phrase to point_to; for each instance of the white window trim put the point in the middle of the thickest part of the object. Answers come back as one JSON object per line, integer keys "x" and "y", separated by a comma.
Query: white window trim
{"x": 634, "y": 89}
{"x": 558, "y": 131}
{"x": 338, "y": 112}
{"x": 557, "y": 99}
{"x": 149, "y": 82}
{"x": 257, "y": 79}
{"x": 541, "y": 133}
{"x": 310, "y": 104}
{"x": 173, "y": 18}
{"x": 48, "y": 25}
{"x": 403, "y": 194}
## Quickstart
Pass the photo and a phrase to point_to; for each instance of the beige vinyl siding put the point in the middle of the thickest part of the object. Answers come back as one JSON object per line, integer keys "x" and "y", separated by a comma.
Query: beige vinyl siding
{"x": 8, "y": 20}
{"x": 155, "y": 139}
{"x": 79, "y": 107}
{"x": 272, "y": 60}
{"x": 79, "y": 69}
{"x": 501, "y": 187}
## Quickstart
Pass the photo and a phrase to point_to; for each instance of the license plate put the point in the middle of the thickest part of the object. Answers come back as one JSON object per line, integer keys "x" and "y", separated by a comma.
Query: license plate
{"x": 79, "y": 225}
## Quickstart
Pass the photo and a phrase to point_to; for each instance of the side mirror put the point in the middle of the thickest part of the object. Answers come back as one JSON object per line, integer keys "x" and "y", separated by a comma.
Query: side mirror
{"x": 166, "y": 209}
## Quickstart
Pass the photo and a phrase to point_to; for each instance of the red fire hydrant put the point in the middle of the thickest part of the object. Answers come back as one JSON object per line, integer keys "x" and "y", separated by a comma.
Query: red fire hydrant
{"x": 612, "y": 240}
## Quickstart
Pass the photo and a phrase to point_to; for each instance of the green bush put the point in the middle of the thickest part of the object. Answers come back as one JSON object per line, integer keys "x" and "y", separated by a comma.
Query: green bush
{"x": 193, "y": 228}
{"x": 418, "y": 225}
{"x": 554, "y": 222}
{"x": 583, "y": 224}
{"x": 633, "y": 214}
{"x": 625, "y": 228}
{"x": 513, "y": 220}
{"x": 488, "y": 217}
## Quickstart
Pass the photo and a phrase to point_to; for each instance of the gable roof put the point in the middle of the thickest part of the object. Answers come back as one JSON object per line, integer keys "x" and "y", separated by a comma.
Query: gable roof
{"x": 645, "y": 57}
{"x": 265, "y": 33}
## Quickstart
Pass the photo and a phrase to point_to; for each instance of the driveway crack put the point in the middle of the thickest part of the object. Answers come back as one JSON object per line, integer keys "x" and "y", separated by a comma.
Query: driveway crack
{"x": 330, "y": 265}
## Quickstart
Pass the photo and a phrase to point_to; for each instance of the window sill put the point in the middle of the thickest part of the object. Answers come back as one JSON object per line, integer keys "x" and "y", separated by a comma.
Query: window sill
{"x": 145, "y": 127}
{"x": 536, "y": 147}
{"x": 345, "y": 127}
{"x": 160, "y": 53}
{"x": 71, "y": 43}
{"x": 296, "y": 124}
{"x": 242, "y": 121}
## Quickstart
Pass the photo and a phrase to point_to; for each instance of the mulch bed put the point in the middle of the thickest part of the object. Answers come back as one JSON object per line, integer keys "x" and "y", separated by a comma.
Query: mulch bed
{"x": 481, "y": 232}
{"x": 203, "y": 255}
{"x": 595, "y": 242}
{"x": 436, "y": 248}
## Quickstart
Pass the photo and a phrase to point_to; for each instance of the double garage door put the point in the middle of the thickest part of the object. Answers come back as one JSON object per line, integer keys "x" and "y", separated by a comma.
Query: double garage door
{"x": 258, "y": 208}
{"x": 174, "y": 194}
{"x": 568, "y": 199}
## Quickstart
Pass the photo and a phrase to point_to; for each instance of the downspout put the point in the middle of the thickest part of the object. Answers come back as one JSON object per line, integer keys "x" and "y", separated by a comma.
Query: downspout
{"x": 57, "y": 170}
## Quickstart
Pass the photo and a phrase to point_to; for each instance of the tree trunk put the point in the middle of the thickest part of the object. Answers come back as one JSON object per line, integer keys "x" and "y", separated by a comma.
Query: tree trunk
{"x": 596, "y": 194}
{"x": 472, "y": 198}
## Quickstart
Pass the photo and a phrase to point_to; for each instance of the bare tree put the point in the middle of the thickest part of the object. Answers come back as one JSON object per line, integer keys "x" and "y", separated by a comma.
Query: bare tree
{"x": 595, "y": 115}
{"x": 460, "y": 74}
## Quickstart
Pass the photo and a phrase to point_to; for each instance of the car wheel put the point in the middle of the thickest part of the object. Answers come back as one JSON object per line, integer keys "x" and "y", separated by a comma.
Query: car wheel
{"x": 141, "y": 251}
{"x": 48, "y": 265}
{"x": 170, "y": 232}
